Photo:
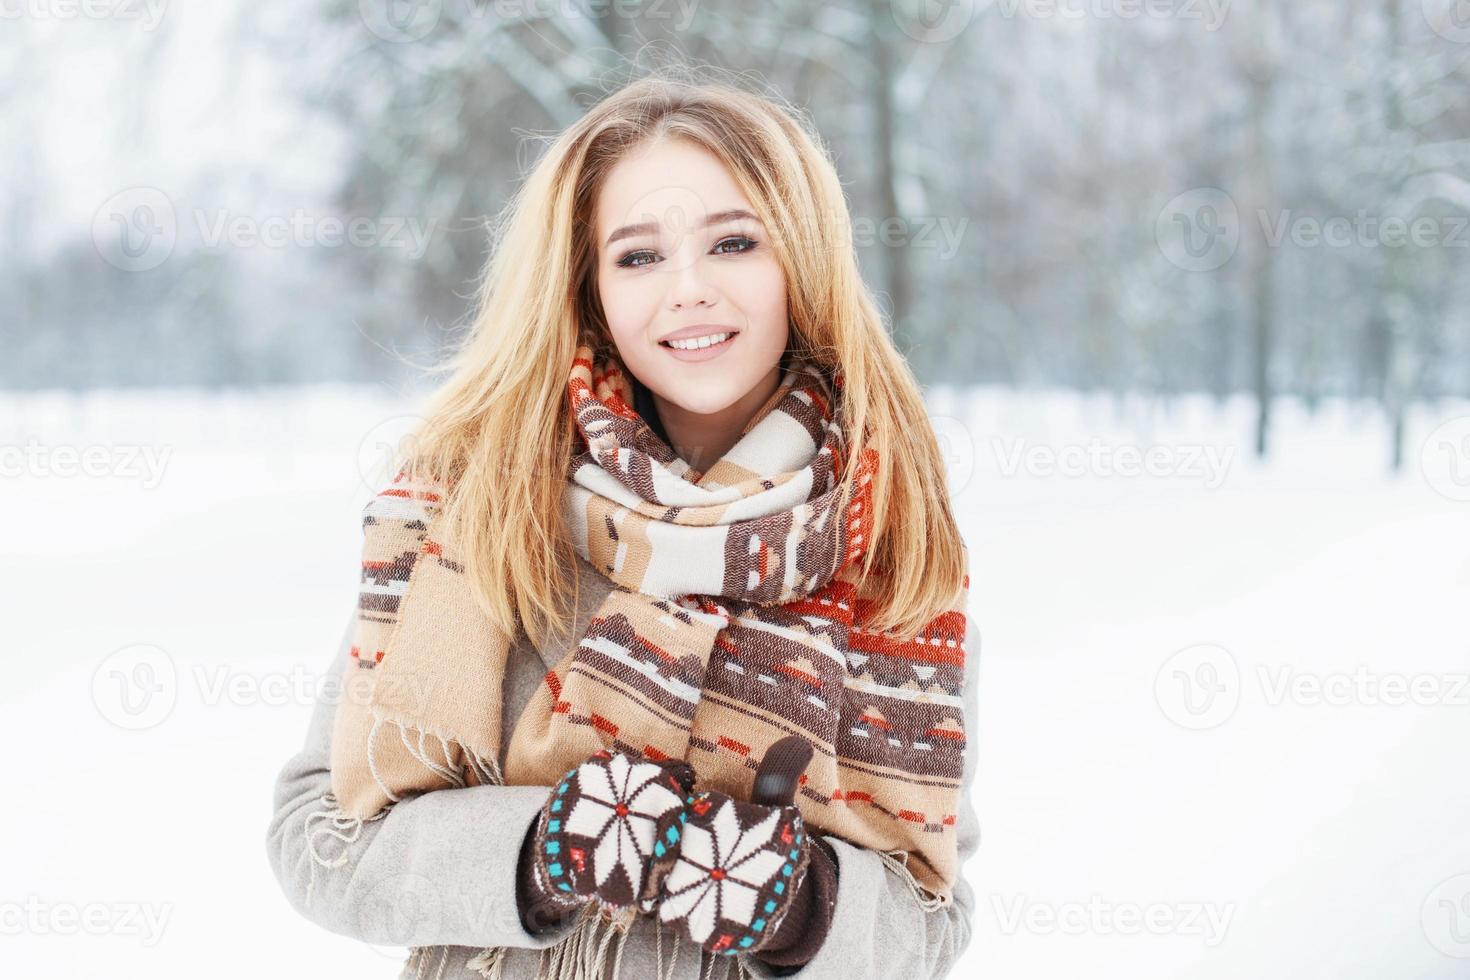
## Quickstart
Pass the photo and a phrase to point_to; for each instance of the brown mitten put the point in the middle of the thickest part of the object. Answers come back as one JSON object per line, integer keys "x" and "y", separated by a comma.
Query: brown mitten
{"x": 608, "y": 831}
{"x": 739, "y": 864}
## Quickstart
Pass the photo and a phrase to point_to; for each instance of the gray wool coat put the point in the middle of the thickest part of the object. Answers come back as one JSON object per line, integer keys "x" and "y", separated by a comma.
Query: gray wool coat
{"x": 437, "y": 872}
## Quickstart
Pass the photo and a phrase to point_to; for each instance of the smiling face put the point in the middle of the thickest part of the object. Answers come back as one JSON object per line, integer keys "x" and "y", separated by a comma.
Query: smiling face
{"x": 680, "y": 252}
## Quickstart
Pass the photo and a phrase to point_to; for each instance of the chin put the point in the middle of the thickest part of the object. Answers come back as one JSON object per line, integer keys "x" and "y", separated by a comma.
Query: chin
{"x": 700, "y": 400}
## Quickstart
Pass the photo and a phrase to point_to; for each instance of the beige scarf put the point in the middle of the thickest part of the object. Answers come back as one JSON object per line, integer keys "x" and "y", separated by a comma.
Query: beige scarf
{"x": 733, "y": 621}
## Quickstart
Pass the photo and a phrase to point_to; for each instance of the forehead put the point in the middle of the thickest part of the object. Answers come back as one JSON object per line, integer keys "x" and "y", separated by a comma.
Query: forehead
{"x": 672, "y": 183}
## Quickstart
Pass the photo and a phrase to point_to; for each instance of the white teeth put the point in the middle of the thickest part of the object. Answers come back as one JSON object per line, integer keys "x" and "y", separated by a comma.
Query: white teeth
{"x": 695, "y": 343}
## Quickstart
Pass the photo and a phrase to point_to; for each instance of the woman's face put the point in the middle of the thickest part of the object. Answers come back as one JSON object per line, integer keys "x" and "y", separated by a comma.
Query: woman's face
{"x": 680, "y": 252}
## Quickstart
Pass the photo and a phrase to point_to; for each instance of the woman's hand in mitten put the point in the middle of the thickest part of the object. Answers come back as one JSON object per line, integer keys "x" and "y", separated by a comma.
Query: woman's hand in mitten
{"x": 740, "y": 864}
{"x": 607, "y": 832}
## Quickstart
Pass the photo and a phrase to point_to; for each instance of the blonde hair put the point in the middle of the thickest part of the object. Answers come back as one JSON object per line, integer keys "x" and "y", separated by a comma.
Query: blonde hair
{"x": 498, "y": 432}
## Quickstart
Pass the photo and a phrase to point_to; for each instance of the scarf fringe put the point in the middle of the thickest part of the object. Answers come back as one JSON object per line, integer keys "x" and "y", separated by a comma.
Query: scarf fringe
{"x": 897, "y": 862}
{"x": 486, "y": 769}
{"x": 580, "y": 955}
{"x": 331, "y": 822}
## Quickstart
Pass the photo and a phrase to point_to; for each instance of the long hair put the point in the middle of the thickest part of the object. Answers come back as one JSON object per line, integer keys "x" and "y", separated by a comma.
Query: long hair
{"x": 498, "y": 432}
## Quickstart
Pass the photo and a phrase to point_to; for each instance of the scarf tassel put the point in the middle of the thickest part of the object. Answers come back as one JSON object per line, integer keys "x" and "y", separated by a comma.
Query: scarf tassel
{"x": 439, "y": 761}
{"x": 330, "y": 823}
{"x": 897, "y": 862}
{"x": 580, "y": 955}
{"x": 583, "y": 953}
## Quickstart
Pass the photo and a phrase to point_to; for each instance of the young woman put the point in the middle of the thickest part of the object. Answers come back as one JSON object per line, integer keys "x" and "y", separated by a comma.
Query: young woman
{"x": 661, "y": 665}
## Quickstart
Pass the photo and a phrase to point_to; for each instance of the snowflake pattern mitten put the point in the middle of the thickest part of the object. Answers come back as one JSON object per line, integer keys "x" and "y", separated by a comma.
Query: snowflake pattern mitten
{"x": 609, "y": 829}
{"x": 737, "y": 869}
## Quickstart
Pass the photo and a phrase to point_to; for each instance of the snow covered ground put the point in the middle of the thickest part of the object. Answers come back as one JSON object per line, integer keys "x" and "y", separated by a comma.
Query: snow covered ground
{"x": 1223, "y": 715}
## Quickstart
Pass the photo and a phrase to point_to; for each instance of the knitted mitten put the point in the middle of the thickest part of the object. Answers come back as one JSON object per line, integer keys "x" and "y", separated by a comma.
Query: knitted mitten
{"x": 738, "y": 868}
{"x": 607, "y": 832}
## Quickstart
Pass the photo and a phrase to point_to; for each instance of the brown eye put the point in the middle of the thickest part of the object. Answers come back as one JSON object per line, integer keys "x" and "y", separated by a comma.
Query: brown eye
{"x": 746, "y": 244}
{"x": 628, "y": 261}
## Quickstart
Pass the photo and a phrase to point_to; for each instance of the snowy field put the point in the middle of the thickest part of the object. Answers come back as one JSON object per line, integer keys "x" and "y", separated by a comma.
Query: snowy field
{"x": 1223, "y": 713}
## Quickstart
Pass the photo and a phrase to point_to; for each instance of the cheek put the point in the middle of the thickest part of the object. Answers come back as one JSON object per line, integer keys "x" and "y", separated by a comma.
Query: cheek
{"x": 623, "y": 304}
{"x": 763, "y": 292}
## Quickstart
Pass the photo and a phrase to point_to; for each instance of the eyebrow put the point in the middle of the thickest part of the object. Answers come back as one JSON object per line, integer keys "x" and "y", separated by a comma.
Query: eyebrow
{"x": 649, "y": 227}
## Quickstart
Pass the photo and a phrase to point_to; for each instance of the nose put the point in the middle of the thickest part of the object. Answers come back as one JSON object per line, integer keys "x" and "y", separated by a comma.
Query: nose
{"x": 689, "y": 287}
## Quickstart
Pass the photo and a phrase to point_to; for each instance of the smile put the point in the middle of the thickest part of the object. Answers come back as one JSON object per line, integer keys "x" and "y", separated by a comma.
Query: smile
{"x": 700, "y": 348}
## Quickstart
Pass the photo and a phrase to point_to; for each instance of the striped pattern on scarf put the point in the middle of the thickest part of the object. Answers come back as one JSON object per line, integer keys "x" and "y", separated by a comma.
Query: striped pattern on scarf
{"x": 734, "y": 619}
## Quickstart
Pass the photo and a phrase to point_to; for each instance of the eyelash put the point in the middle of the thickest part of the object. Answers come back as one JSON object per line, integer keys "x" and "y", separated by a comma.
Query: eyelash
{"x": 626, "y": 263}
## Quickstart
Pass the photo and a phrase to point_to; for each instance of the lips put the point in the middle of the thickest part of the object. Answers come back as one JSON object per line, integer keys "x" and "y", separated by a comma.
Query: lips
{"x": 703, "y": 353}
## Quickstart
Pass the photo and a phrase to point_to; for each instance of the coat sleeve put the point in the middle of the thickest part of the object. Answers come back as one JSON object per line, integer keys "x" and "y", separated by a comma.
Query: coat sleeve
{"x": 434, "y": 869}
{"x": 878, "y": 929}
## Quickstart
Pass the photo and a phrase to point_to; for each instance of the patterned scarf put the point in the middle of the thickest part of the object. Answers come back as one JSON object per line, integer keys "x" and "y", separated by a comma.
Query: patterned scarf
{"x": 733, "y": 620}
